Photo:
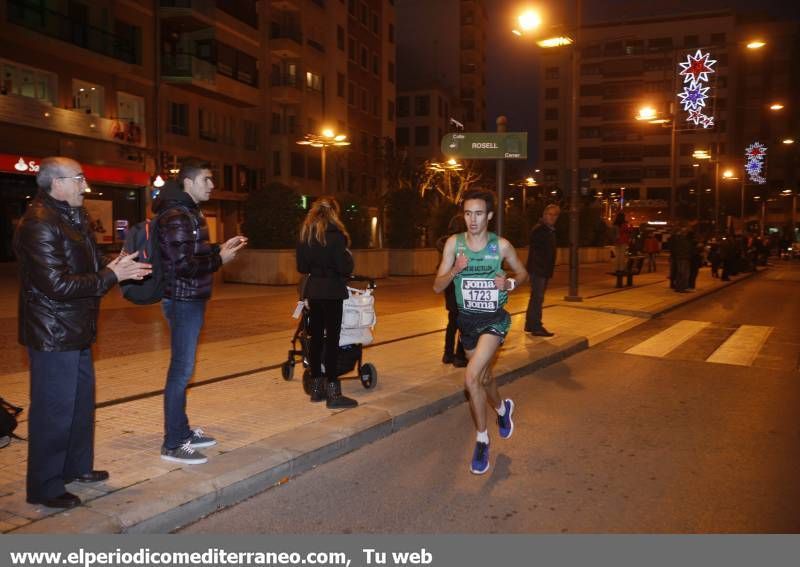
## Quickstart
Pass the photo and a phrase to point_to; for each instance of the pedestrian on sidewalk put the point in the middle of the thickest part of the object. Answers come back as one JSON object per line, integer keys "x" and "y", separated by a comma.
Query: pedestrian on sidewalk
{"x": 323, "y": 254}
{"x": 681, "y": 252}
{"x": 453, "y": 348}
{"x": 189, "y": 261}
{"x": 695, "y": 259}
{"x": 621, "y": 238}
{"x": 541, "y": 262}
{"x": 62, "y": 278}
{"x": 651, "y": 247}
{"x": 473, "y": 261}
{"x": 714, "y": 257}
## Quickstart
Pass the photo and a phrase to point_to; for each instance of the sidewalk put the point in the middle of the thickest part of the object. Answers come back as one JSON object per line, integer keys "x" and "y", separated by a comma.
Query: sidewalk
{"x": 266, "y": 428}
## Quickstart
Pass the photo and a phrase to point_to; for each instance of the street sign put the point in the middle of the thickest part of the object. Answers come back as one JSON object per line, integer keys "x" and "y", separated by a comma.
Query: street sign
{"x": 486, "y": 145}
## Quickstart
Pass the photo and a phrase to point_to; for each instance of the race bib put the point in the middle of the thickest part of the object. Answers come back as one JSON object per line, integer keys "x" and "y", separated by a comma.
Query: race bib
{"x": 480, "y": 294}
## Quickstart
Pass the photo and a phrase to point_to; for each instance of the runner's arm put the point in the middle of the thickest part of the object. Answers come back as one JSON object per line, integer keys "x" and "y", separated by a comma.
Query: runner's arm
{"x": 518, "y": 271}
{"x": 447, "y": 270}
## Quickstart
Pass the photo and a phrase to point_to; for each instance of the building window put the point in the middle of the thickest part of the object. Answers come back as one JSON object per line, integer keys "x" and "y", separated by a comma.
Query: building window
{"x": 340, "y": 37}
{"x": 551, "y": 73}
{"x": 390, "y": 111}
{"x": 422, "y": 105}
{"x": 276, "y": 163}
{"x": 351, "y": 93}
{"x": 130, "y": 111}
{"x": 88, "y": 97}
{"x": 718, "y": 38}
{"x": 28, "y": 81}
{"x": 313, "y": 82}
{"x": 550, "y": 134}
{"x": 376, "y": 25}
{"x": 227, "y": 177}
{"x": 363, "y": 101}
{"x": 340, "y": 85}
{"x": 391, "y": 33}
{"x": 251, "y": 135}
{"x": 551, "y": 155}
{"x": 228, "y": 134}
{"x": 178, "y": 119}
{"x": 275, "y": 124}
{"x": 363, "y": 14}
{"x": 551, "y": 93}
{"x": 364, "y": 57}
{"x": 376, "y": 65}
{"x": 128, "y": 42}
{"x": 297, "y": 167}
{"x": 207, "y": 125}
{"x": 402, "y": 106}
{"x": 691, "y": 41}
{"x": 422, "y": 136}
{"x": 390, "y": 72}
{"x": 351, "y": 7}
{"x": 551, "y": 113}
{"x": 403, "y": 139}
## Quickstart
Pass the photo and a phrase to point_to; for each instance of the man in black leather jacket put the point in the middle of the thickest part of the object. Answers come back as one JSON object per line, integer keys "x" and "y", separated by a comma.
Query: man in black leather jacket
{"x": 63, "y": 276}
{"x": 189, "y": 261}
{"x": 541, "y": 262}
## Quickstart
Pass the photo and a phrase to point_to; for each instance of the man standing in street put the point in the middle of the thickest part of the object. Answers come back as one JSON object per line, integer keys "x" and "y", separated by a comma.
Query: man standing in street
{"x": 190, "y": 262}
{"x": 62, "y": 278}
{"x": 541, "y": 261}
{"x": 473, "y": 261}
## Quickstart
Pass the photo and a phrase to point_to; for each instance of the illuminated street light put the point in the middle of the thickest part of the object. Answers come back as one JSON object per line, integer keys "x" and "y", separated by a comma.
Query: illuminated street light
{"x": 788, "y": 141}
{"x": 158, "y": 181}
{"x": 528, "y": 21}
{"x": 727, "y": 174}
{"x": 701, "y": 154}
{"x": 776, "y": 106}
{"x": 558, "y": 41}
{"x": 756, "y": 44}
{"x": 326, "y": 139}
{"x": 646, "y": 113}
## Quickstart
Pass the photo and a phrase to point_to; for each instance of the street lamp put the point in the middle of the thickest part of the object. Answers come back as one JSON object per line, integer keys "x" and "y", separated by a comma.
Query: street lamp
{"x": 528, "y": 23}
{"x": 326, "y": 139}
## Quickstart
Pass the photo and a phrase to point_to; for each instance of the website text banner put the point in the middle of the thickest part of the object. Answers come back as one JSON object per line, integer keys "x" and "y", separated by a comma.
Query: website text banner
{"x": 397, "y": 551}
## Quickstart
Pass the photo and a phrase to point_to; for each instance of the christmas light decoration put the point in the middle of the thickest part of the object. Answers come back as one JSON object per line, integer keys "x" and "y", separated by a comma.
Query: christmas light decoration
{"x": 755, "y": 154}
{"x": 695, "y": 71}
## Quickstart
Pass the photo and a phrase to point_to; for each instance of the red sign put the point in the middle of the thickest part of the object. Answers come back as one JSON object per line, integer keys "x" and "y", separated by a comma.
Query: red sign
{"x": 94, "y": 173}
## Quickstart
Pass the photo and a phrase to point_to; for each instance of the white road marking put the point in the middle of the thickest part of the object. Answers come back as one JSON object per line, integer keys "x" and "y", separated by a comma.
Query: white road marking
{"x": 669, "y": 339}
{"x": 742, "y": 347}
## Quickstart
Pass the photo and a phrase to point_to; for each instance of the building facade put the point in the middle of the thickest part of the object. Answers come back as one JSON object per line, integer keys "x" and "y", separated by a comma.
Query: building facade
{"x": 626, "y": 66}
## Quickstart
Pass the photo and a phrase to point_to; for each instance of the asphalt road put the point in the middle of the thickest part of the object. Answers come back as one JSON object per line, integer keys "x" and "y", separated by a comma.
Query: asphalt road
{"x": 606, "y": 441}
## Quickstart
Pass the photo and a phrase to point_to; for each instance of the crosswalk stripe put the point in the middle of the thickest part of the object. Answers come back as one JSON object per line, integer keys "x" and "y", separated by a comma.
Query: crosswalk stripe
{"x": 742, "y": 347}
{"x": 668, "y": 339}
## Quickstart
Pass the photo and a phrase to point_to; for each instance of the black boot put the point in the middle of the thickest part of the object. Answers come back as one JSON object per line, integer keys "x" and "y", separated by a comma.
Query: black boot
{"x": 336, "y": 399}
{"x": 317, "y": 391}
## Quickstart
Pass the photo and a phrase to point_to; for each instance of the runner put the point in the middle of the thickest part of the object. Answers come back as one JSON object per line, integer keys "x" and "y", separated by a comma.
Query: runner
{"x": 473, "y": 260}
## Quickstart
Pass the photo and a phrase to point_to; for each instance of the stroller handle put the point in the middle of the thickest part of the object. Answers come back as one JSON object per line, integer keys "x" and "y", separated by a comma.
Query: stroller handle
{"x": 356, "y": 278}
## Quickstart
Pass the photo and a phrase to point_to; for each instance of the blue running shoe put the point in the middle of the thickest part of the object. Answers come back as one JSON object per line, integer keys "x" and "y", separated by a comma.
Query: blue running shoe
{"x": 480, "y": 458}
{"x": 504, "y": 422}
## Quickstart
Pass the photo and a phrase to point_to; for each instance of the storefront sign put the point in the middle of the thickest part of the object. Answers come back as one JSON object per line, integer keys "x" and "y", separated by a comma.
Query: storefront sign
{"x": 94, "y": 173}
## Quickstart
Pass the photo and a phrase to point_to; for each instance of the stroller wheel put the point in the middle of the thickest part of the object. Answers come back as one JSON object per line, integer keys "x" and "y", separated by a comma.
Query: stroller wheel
{"x": 368, "y": 375}
{"x": 287, "y": 370}
{"x": 307, "y": 381}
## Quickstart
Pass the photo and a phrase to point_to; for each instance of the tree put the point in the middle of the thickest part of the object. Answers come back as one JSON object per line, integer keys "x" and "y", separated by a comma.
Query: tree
{"x": 447, "y": 179}
{"x": 404, "y": 209}
{"x": 356, "y": 219}
{"x": 273, "y": 217}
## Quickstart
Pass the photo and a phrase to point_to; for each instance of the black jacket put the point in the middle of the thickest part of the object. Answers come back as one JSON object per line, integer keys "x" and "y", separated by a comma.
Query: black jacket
{"x": 186, "y": 255}
{"x": 542, "y": 251}
{"x": 62, "y": 276}
{"x": 328, "y": 266}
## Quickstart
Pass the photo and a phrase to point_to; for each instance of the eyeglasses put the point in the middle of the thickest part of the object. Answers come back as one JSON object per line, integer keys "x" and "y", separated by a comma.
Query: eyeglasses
{"x": 80, "y": 178}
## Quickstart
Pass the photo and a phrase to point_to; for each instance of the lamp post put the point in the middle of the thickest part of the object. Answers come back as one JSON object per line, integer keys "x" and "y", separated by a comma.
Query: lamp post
{"x": 528, "y": 22}
{"x": 326, "y": 139}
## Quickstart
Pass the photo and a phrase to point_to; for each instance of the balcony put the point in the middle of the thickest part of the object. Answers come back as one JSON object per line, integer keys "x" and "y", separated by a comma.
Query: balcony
{"x": 63, "y": 28}
{"x": 33, "y": 113}
{"x": 231, "y": 85}
{"x": 285, "y": 89}
{"x": 285, "y": 41}
{"x": 189, "y": 15}
{"x": 285, "y": 5}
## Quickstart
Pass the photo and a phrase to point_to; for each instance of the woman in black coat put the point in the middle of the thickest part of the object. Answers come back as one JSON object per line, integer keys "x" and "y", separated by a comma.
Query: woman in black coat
{"x": 322, "y": 254}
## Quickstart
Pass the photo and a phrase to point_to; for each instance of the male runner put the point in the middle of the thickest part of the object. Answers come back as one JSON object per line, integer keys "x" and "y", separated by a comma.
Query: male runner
{"x": 473, "y": 260}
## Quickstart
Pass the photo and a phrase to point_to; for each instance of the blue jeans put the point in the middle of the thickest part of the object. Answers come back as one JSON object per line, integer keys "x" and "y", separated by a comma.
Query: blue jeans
{"x": 185, "y": 319}
{"x": 60, "y": 420}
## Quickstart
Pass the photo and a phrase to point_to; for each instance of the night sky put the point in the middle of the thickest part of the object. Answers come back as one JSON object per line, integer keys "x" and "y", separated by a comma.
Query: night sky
{"x": 513, "y": 62}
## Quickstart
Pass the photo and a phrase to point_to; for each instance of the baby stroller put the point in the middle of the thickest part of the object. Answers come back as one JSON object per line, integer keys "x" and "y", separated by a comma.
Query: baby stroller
{"x": 358, "y": 319}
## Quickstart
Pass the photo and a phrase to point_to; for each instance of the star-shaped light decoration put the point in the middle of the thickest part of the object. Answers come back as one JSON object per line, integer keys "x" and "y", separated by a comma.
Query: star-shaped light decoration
{"x": 708, "y": 121}
{"x": 697, "y": 68}
{"x": 695, "y": 116}
{"x": 693, "y": 96}
{"x": 756, "y": 150}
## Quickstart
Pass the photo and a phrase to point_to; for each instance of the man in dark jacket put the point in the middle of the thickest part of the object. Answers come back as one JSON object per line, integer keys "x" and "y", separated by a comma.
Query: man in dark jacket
{"x": 62, "y": 278}
{"x": 190, "y": 262}
{"x": 541, "y": 261}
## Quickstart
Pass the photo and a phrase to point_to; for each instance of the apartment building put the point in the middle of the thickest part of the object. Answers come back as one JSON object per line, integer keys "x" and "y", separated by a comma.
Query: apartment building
{"x": 423, "y": 117}
{"x": 625, "y": 66}
{"x": 442, "y": 45}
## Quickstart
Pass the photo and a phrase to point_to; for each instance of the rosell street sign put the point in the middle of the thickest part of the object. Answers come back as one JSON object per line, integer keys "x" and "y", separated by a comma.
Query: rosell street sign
{"x": 486, "y": 145}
